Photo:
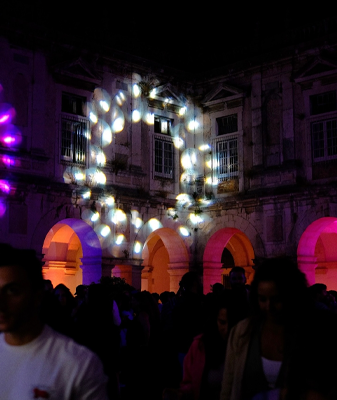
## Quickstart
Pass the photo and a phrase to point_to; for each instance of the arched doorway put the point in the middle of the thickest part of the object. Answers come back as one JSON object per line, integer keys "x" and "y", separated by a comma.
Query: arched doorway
{"x": 225, "y": 248}
{"x": 72, "y": 254}
{"x": 165, "y": 261}
{"x": 317, "y": 252}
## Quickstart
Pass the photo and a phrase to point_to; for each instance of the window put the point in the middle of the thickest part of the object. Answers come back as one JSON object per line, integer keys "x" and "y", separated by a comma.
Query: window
{"x": 227, "y": 162}
{"x": 322, "y": 103}
{"x": 163, "y": 157}
{"x": 74, "y": 129}
{"x": 227, "y": 124}
{"x": 73, "y": 104}
{"x": 74, "y": 139}
{"x": 162, "y": 125}
{"x": 324, "y": 139}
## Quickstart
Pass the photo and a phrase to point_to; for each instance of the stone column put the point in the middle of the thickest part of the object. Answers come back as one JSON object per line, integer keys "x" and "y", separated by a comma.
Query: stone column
{"x": 212, "y": 273}
{"x": 176, "y": 271}
{"x": 146, "y": 278}
{"x": 92, "y": 269}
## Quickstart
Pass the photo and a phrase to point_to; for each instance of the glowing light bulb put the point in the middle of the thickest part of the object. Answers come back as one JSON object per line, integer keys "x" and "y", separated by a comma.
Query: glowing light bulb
{"x": 136, "y": 116}
{"x": 136, "y": 90}
{"x": 137, "y": 247}
{"x": 184, "y": 231}
{"x": 94, "y": 217}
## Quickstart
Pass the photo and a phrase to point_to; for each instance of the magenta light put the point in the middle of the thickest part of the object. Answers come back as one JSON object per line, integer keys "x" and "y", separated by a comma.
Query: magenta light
{"x": 2, "y": 209}
{"x": 7, "y": 160}
{"x": 9, "y": 139}
{"x": 4, "y": 118}
{"x": 4, "y": 186}
{"x": 7, "y": 113}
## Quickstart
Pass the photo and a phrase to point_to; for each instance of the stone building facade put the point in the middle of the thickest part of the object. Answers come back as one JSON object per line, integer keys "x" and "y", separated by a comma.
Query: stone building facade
{"x": 115, "y": 166}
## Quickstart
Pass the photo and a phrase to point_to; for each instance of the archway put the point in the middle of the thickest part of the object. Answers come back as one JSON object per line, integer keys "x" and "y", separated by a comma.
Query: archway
{"x": 165, "y": 261}
{"x": 226, "y": 240}
{"x": 72, "y": 254}
{"x": 317, "y": 252}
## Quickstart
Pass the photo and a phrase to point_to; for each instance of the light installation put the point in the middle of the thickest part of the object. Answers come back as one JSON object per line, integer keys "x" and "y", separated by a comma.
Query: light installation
{"x": 190, "y": 210}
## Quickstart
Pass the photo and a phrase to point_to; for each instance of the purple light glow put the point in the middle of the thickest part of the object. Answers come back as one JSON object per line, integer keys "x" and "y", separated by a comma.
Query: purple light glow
{"x": 7, "y": 113}
{"x": 4, "y": 186}
{"x": 2, "y": 208}
{"x": 8, "y": 160}
{"x": 9, "y": 135}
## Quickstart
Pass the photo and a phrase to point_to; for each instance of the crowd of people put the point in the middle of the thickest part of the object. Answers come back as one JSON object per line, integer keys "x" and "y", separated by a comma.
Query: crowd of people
{"x": 272, "y": 339}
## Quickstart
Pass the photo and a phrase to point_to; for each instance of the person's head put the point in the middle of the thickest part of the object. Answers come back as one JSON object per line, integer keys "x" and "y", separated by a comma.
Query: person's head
{"x": 237, "y": 277}
{"x": 63, "y": 295}
{"x": 278, "y": 290}
{"x": 217, "y": 314}
{"x": 21, "y": 288}
{"x": 218, "y": 288}
{"x": 318, "y": 292}
{"x": 190, "y": 282}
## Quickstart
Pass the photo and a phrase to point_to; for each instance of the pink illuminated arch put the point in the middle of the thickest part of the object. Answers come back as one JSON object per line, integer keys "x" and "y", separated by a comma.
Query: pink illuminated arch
{"x": 317, "y": 252}
{"x": 240, "y": 248}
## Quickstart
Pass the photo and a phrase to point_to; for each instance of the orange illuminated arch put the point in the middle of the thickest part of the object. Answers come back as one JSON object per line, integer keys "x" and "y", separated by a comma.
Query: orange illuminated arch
{"x": 72, "y": 254}
{"x": 165, "y": 260}
{"x": 239, "y": 246}
{"x": 317, "y": 252}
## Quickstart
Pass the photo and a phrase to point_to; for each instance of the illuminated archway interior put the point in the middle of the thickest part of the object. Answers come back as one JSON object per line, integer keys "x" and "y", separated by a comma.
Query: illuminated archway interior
{"x": 63, "y": 255}
{"x": 72, "y": 254}
{"x": 166, "y": 259}
{"x": 317, "y": 252}
{"x": 226, "y": 247}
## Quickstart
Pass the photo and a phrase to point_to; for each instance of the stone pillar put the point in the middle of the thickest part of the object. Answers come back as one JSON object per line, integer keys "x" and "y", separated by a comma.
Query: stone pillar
{"x": 308, "y": 264}
{"x": 92, "y": 269}
{"x": 146, "y": 278}
{"x": 176, "y": 271}
{"x": 212, "y": 273}
{"x": 137, "y": 276}
{"x": 123, "y": 271}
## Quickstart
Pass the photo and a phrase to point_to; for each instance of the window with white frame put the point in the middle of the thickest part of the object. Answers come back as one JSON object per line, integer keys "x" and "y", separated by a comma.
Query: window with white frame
{"x": 324, "y": 129}
{"x": 226, "y": 148}
{"x": 162, "y": 125}
{"x": 324, "y": 139}
{"x": 163, "y": 156}
{"x": 74, "y": 129}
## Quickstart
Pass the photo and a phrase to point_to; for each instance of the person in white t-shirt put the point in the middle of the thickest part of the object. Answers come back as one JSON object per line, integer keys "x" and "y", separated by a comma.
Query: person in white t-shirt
{"x": 37, "y": 362}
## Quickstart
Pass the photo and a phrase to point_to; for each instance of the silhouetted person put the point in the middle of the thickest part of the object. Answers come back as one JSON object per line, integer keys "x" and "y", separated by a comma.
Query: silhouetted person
{"x": 36, "y": 362}
{"x": 238, "y": 294}
{"x": 187, "y": 314}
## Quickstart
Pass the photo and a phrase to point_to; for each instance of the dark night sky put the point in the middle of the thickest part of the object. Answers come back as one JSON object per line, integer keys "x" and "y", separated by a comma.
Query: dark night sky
{"x": 182, "y": 36}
